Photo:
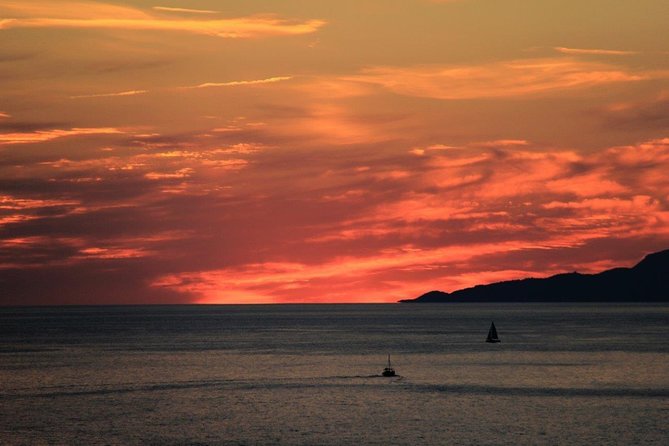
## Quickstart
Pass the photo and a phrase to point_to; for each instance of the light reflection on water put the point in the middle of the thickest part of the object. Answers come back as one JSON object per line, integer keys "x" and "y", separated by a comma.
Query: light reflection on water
{"x": 563, "y": 374}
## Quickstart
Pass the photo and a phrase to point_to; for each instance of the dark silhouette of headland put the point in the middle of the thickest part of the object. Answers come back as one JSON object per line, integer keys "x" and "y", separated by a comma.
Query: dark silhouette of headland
{"x": 647, "y": 281}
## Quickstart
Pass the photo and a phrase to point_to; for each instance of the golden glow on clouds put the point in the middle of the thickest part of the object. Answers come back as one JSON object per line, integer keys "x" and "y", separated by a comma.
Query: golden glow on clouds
{"x": 365, "y": 160}
{"x": 226, "y": 28}
{"x": 215, "y": 286}
{"x": 102, "y": 16}
{"x": 186, "y": 10}
{"x": 111, "y": 253}
{"x": 597, "y": 52}
{"x": 599, "y": 207}
{"x": 515, "y": 78}
{"x": 48, "y": 135}
{"x": 269, "y": 80}
{"x": 8, "y": 202}
{"x": 110, "y": 95}
{"x": 68, "y": 9}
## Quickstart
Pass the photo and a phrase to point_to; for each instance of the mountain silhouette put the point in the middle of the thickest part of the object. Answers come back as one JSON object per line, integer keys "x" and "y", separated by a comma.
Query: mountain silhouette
{"x": 647, "y": 281}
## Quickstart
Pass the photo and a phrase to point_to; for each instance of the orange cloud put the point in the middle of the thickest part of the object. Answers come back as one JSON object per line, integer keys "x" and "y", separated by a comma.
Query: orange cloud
{"x": 251, "y": 283}
{"x": 155, "y": 166}
{"x": 329, "y": 123}
{"x": 653, "y": 153}
{"x": 270, "y": 80}
{"x": 503, "y": 143}
{"x": 181, "y": 173}
{"x": 556, "y": 198}
{"x": 113, "y": 253}
{"x": 517, "y": 78}
{"x": 588, "y": 185}
{"x": 520, "y": 173}
{"x": 69, "y": 9}
{"x": 48, "y": 135}
{"x": 14, "y": 203}
{"x": 455, "y": 213}
{"x": 109, "y": 95}
{"x": 86, "y": 15}
{"x": 15, "y": 218}
{"x": 597, "y": 52}
{"x": 186, "y": 10}
{"x": 638, "y": 204}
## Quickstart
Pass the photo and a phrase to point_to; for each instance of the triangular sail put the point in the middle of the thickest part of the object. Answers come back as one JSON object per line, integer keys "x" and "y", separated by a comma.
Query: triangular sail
{"x": 492, "y": 333}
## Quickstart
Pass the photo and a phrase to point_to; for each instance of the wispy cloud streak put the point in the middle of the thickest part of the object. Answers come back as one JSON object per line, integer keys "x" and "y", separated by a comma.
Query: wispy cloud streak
{"x": 517, "y": 78}
{"x": 185, "y": 10}
{"x": 48, "y": 135}
{"x": 110, "y": 95}
{"x": 270, "y": 80}
{"x": 593, "y": 51}
{"x": 226, "y": 28}
{"x": 86, "y": 15}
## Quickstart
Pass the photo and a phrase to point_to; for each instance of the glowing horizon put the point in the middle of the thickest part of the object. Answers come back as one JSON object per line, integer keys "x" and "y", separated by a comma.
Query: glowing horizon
{"x": 283, "y": 152}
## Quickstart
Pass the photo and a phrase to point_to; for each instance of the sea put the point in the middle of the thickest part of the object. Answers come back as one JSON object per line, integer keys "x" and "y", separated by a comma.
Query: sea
{"x": 564, "y": 374}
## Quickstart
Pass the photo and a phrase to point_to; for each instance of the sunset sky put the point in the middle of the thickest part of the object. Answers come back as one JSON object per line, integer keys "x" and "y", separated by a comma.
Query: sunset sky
{"x": 261, "y": 151}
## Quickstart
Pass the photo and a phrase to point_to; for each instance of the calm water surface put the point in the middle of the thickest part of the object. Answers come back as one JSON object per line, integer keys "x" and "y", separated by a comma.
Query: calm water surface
{"x": 307, "y": 375}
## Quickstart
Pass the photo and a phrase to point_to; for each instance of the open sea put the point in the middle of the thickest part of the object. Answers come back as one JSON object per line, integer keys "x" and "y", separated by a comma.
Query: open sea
{"x": 309, "y": 375}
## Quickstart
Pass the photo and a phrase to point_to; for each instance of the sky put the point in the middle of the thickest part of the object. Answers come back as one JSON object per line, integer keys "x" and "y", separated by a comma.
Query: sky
{"x": 287, "y": 151}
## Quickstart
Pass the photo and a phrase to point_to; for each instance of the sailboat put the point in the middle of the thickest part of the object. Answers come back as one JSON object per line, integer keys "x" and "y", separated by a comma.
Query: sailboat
{"x": 492, "y": 334}
{"x": 389, "y": 370}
